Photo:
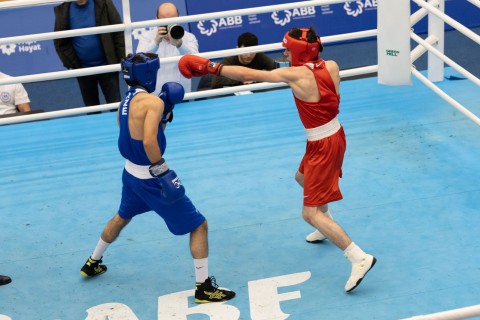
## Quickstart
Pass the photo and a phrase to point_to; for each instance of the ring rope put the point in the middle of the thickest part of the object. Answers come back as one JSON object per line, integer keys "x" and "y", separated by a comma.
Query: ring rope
{"x": 455, "y": 314}
{"x": 210, "y": 55}
{"x": 458, "y": 26}
{"x": 446, "y": 59}
{"x": 427, "y": 45}
{"x": 188, "y": 96}
{"x": 475, "y": 2}
{"x": 445, "y": 96}
{"x": 28, "y": 3}
{"x": 128, "y": 26}
{"x": 166, "y": 21}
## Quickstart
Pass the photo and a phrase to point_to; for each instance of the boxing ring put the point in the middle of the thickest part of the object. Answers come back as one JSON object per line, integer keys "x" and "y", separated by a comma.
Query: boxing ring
{"x": 410, "y": 186}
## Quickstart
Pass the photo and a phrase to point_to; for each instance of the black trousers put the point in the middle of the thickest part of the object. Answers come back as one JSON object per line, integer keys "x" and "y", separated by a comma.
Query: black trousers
{"x": 109, "y": 84}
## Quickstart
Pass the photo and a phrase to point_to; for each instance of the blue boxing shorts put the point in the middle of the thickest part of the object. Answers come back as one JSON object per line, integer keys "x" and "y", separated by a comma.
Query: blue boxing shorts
{"x": 143, "y": 195}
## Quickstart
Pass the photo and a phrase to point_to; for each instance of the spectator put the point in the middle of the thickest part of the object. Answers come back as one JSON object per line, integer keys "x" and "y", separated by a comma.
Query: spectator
{"x": 159, "y": 41}
{"x": 13, "y": 98}
{"x": 91, "y": 50}
{"x": 258, "y": 61}
{"x": 315, "y": 85}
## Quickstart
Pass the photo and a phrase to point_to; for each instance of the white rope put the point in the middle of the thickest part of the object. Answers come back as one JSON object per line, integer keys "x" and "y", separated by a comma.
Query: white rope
{"x": 159, "y": 22}
{"x": 63, "y": 34}
{"x": 422, "y": 12}
{"x": 209, "y": 55}
{"x": 28, "y": 3}
{"x": 446, "y": 59}
{"x": 418, "y": 15}
{"x": 217, "y": 54}
{"x": 426, "y": 45}
{"x": 455, "y": 314}
{"x": 460, "y": 27}
{"x": 188, "y": 96}
{"x": 237, "y": 12}
{"x": 445, "y": 96}
{"x": 475, "y": 2}
{"x": 419, "y": 49}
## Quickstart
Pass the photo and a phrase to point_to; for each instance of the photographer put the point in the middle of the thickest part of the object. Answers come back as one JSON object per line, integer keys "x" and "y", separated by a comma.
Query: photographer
{"x": 169, "y": 41}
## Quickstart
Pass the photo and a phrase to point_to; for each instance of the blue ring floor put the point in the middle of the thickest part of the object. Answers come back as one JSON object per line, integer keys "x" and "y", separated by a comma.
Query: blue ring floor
{"x": 411, "y": 197}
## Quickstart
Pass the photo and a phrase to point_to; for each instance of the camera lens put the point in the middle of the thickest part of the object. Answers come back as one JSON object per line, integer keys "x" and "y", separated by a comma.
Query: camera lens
{"x": 176, "y": 31}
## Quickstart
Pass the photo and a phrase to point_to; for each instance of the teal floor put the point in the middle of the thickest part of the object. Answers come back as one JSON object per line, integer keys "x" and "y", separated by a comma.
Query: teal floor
{"x": 411, "y": 197}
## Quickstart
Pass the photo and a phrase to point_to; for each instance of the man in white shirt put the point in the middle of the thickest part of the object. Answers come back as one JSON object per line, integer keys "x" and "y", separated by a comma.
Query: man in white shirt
{"x": 158, "y": 40}
{"x": 13, "y": 98}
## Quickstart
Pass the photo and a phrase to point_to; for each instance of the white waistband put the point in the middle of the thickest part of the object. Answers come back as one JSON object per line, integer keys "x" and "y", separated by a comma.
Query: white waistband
{"x": 324, "y": 131}
{"x": 140, "y": 172}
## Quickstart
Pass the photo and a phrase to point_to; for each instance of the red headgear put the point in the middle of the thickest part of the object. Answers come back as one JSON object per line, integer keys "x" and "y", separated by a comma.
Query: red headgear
{"x": 302, "y": 51}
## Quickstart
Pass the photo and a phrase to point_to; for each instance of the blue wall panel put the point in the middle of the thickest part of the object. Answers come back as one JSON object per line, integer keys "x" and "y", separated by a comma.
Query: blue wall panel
{"x": 220, "y": 34}
{"x": 333, "y": 19}
{"x": 38, "y": 57}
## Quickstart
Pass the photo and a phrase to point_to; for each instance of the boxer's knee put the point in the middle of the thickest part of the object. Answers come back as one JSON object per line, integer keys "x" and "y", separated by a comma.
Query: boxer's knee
{"x": 308, "y": 214}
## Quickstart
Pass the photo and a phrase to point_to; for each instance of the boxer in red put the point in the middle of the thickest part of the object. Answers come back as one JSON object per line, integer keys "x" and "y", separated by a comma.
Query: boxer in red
{"x": 315, "y": 84}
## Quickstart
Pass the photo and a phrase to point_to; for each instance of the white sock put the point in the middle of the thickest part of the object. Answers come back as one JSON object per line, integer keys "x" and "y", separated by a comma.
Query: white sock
{"x": 100, "y": 249}
{"x": 354, "y": 253}
{"x": 201, "y": 269}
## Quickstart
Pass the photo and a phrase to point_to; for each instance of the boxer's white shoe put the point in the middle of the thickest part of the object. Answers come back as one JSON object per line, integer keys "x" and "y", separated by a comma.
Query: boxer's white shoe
{"x": 315, "y": 236}
{"x": 359, "y": 270}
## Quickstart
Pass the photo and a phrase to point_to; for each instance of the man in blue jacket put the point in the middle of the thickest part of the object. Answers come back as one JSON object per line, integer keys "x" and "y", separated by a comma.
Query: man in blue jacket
{"x": 91, "y": 50}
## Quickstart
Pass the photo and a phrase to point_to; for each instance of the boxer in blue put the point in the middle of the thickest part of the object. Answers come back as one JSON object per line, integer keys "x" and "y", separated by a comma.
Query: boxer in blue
{"x": 148, "y": 183}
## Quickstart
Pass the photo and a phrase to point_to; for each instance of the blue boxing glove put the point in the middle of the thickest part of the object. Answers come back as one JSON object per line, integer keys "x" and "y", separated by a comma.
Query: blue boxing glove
{"x": 172, "y": 188}
{"x": 171, "y": 94}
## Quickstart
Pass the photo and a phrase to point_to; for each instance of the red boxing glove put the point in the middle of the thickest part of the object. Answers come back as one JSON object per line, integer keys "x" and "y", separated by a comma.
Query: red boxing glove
{"x": 194, "y": 66}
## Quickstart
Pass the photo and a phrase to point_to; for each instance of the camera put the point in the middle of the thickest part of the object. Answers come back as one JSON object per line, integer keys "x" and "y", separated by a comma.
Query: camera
{"x": 175, "y": 31}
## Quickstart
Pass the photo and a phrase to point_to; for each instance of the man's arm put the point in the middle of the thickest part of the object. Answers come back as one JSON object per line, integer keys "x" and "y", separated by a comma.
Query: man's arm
{"x": 189, "y": 44}
{"x": 172, "y": 188}
{"x": 247, "y": 74}
{"x": 22, "y": 102}
{"x": 300, "y": 79}
{"x": 24, "y": 107}
{"x": 146, "y": 42}
{"x": 64, "y": 47}
{"x": 221, "y": 81}
{"x": 195, "y": 66}
{"x": 150, "y": 128}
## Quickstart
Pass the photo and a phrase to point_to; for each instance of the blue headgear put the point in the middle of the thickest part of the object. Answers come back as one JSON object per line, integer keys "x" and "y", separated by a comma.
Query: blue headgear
{"x": 141, "y": 69}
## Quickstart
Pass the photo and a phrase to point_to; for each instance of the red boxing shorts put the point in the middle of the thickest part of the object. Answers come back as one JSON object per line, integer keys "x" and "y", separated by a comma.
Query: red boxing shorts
{"x": 143, "y": 195}
{"x": 322, "y": 169}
